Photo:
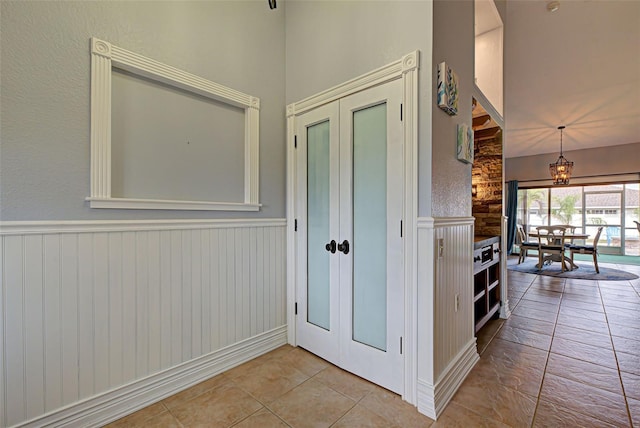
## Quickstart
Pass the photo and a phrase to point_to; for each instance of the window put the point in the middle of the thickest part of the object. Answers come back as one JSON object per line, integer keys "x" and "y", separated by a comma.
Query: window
{"x": 613, "y": 206}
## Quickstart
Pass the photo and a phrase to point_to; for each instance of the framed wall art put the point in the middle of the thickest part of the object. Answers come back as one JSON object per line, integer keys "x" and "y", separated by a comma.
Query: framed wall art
{"x": 447, "y": 89}
{"x": 465, "y": 143}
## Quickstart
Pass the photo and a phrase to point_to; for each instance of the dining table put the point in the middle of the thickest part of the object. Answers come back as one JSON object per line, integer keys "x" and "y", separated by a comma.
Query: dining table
{"x": 567, "y": 236}
{"x": 555, "y": 257}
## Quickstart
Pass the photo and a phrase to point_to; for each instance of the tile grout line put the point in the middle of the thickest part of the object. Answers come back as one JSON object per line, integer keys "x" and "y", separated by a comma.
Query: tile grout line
{"x": 350, "y": 408}
{"x": 171, "y": 413}
{"x": 560, "y": 306}
{"x": 548, "y": 351}
{"x": 615, "y": 355}
{"x": 544, "y": 373}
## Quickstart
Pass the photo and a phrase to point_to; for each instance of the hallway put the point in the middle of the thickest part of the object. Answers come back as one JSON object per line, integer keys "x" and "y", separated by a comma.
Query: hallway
{"x": 568, "y": 356}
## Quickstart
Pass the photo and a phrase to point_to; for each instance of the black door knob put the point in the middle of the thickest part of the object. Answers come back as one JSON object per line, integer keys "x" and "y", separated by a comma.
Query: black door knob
{"x": 331, "y": 246}
{"x": 344, "y": 247}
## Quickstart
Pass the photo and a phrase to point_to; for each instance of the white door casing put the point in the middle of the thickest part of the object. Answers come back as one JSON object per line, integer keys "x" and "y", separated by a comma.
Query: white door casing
{"x": 404, "y": 70}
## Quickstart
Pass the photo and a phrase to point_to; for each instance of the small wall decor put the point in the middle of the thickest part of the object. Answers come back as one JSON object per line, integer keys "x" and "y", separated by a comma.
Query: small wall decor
{"x": 465, "y": 143}
{"x": 447, "y": 89}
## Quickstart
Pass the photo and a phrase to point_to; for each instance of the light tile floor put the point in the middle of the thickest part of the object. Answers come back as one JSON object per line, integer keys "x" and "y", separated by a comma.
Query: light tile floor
{"x": 569, "y": 356}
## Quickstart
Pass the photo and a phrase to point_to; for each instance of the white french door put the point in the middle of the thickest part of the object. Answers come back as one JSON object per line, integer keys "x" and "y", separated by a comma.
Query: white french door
{"x": 350, "y": 261}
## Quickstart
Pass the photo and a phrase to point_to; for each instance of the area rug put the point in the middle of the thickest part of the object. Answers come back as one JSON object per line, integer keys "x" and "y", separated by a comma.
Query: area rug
{"x": 584, "y": 271}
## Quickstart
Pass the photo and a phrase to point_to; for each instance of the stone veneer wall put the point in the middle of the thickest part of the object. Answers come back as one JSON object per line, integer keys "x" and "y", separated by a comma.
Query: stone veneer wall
{"x": 486, "y": 175}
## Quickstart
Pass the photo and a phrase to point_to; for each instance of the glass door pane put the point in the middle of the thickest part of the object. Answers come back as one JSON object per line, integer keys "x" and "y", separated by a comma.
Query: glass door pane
{"x": 603, "y": 207}
{"x": 566, "y": 210}
{"x": 566, "y": 206}
{"x": 536, "y": 203}
{"x": 632, "y": 215}
{"x": 318, "y": 233}
{"x": 370, "y": 226}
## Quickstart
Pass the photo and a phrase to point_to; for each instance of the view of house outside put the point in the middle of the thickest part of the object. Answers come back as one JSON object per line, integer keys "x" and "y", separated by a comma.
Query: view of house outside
{"x": 615, "y": 207}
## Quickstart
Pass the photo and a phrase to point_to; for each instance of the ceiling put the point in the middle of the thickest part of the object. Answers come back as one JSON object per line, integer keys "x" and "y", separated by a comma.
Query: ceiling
{"x": 578, "y": 66}
{"x": 484, "y": 126}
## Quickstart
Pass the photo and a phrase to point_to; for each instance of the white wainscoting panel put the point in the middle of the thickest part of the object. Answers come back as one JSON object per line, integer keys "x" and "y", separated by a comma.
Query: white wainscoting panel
{"x": 453, "y": 277}
{"x": 446, "y": 342}
{"x": 91, "y": 306}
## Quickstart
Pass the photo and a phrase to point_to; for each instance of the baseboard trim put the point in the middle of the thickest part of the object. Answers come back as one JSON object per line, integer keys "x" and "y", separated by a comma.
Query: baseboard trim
{"x": 119, "y": 402}
{"x": 432, "y": 399}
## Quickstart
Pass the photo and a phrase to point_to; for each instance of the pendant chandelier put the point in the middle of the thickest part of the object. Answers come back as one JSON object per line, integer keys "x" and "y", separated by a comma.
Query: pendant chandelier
{"x": 561, "y": 170}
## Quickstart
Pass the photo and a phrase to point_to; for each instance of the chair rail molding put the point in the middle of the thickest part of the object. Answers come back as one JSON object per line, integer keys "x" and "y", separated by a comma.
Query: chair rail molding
{"x": 87, "y": 226}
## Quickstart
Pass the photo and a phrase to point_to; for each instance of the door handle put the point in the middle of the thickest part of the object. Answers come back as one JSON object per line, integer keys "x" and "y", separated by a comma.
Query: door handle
{"x": 331, "y": 246}
{"x": 344, "y": 247}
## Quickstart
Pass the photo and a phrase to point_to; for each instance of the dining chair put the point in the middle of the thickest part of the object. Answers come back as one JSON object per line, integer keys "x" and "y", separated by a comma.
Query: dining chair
{"x": 551, "y": 245}
{"x": 588, "y": 249}
{"x": 525, "y": 245}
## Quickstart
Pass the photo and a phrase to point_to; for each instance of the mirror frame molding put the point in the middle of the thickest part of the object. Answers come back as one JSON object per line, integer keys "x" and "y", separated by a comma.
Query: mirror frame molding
{"x": 106, "y": 56}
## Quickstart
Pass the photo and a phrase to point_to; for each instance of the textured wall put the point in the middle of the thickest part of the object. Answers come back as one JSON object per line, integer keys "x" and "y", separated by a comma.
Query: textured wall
{"x": 44, "y": 167}
{"x": 156, "y": 129}
{"x": 454, "y": 44}
{"x": 587, "y": 162}
{"x": 329, "y": 43}
{"x": 489, "y": 67}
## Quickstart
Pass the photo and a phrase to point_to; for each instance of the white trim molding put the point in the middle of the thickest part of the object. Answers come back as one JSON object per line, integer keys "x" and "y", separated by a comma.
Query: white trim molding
{"x": 163, "y": 204}
{"x": 433, "y": 398}
{"x": 105, "y": 57}
{"x": 505, "y": 310}
{"x": 291, "y": 230}
{"x": 446, "y": 341}
{"x": 488, "y": 105}
{"x": 119, "y": 402}
{"x": 93, "y": 226}
{"x": 410, "y": 67}
{"x": 407, "y": 65}
{"x": 406, "y": 68}
{"x": 453, "y": 221}
{"x": 594, "y": 179}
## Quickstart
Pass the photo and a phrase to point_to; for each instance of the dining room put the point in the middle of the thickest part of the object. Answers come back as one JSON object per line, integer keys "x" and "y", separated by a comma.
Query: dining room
{"x": 568, "y": 230}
